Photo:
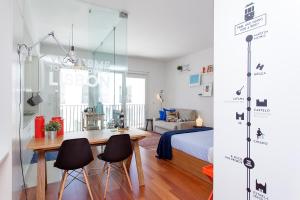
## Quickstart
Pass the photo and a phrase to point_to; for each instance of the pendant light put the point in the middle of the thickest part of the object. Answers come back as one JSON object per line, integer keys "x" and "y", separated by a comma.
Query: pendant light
{"x": 72, "y": 53}
{"x": 72, "y": 57}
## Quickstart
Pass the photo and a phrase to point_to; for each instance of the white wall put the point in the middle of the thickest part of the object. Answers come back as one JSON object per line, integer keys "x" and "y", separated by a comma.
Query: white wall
{"x": 178, "y": 92}
{"x": 154, "y": 71}
{"x": 275, "y": 45}
{"x": 6, "y": 103}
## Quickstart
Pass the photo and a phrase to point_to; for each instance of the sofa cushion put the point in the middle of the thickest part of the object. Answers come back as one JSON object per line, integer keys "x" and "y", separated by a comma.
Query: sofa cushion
{"x": 187, "y": 114}
{"x": 186, "y": 125}
{"x": 166, "y": 125}
{"x": 172, "y": 116}
{"x": 167, "y": 110}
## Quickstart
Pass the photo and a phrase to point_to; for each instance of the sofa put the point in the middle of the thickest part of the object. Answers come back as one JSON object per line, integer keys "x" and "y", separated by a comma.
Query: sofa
{"x": 187, "y": 119}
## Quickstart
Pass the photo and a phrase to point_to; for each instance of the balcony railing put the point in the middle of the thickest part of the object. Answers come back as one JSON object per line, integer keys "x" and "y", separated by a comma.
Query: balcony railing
{"x": 72, "y": 115}
{"x": 135, "y": 115}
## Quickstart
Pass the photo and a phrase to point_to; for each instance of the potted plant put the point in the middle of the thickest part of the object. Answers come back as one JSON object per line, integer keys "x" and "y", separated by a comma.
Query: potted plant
{"x": 51, "y": 128}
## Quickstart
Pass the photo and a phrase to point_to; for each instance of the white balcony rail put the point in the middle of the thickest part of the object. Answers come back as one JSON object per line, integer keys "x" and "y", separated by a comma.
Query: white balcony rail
{"x": 72, "y": 115}
{"x": 135, "y": 115}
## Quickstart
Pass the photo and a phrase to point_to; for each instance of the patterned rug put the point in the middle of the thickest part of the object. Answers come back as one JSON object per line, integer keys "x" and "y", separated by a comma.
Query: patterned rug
{"x": 150, "y": 142}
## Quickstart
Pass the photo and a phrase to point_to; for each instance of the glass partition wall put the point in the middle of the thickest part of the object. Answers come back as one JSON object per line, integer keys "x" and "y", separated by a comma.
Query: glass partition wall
{"x": 106, "y": 70}
{"x": 110, "y": 68}
{"x": 96, "y": 82}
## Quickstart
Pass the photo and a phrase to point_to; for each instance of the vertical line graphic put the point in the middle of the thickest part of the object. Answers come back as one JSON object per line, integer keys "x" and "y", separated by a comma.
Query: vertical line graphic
{"x": 249, "y": 165}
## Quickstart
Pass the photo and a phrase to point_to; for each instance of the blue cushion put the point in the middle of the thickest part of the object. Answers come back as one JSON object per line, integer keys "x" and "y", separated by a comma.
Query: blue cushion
{"x": 161, "y": 114}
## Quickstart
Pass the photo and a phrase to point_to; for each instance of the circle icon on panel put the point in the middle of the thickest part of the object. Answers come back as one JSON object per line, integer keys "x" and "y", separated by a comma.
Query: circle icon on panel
{"x": 249, "y": 163}
{"x": 249, "y": 38}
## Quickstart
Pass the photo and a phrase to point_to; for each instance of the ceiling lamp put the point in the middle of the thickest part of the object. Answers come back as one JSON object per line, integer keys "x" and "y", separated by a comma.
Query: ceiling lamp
{"x": 71, "y": 56}
{"x": 79, "y": 64}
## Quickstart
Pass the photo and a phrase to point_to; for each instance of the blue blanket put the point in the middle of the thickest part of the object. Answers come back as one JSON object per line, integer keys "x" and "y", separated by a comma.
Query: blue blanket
{"x": 164, "y": 148}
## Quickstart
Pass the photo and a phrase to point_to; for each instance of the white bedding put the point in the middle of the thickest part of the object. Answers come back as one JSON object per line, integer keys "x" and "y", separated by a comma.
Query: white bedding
{"x": 196, "y": 144}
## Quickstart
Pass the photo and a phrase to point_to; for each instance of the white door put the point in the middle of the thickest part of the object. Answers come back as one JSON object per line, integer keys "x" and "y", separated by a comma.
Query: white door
{"x": 135, "y": 100}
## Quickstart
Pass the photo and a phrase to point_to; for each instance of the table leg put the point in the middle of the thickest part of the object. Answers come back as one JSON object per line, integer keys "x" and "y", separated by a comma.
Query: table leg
{"x": 41, "y": 176}
{"x": 138, "y": 161}
{"x": 46, "y": 178}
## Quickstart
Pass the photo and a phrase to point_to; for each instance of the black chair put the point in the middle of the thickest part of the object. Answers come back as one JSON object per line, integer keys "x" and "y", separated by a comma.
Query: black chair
{"x": 118, "y": 149}
{"x": 72, "y": 155}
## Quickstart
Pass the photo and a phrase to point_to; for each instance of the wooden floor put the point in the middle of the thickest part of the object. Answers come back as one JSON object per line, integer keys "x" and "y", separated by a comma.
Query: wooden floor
{"x": 162, "y": 181}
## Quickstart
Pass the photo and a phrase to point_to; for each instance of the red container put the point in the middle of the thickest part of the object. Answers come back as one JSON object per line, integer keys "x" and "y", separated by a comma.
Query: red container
{"x": 39, "y": 127}
{"x": 61, "y": 122}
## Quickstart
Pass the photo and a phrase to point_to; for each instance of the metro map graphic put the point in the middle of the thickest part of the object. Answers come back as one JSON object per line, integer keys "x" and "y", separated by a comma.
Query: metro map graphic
{"x": 249, "y": 25}
{"x": 248, "y": 162}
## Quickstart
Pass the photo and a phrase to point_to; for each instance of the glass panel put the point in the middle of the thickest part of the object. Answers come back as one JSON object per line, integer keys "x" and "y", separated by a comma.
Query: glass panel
{"x": 110, "y": 88}
{"x": 73, "y": 90}
{"x": 100, "y": 40}
{"x": 110, "y": 66}
{"x": 97, "y": 73}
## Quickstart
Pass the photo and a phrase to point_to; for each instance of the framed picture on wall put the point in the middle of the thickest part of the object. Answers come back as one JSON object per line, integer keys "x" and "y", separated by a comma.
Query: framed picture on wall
{"x": 207, "y": 89}
{"x": 194, "y": 80}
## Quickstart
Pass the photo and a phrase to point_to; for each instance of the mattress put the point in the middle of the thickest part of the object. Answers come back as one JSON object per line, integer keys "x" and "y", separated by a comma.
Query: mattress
{"x": 196, "y": 144}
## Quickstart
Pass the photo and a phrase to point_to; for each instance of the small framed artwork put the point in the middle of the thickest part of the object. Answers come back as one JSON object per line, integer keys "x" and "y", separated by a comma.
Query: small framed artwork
{"x": 194, "y": 80}
{"x": 206, "y": 89}
{"x": 210, "y": 68}
{"x": 207, "y": 69}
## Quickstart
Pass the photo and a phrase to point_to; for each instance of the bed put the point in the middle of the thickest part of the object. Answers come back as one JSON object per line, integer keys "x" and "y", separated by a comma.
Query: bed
{"x": 196, "y": 144}
{"x": 191, "y": 151}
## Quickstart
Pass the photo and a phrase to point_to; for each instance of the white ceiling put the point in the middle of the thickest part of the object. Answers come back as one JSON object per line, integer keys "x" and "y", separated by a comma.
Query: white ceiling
{"x": 91, "y": 24}
{"x": 166, "y": 29}
{"x": 160, "y": 29}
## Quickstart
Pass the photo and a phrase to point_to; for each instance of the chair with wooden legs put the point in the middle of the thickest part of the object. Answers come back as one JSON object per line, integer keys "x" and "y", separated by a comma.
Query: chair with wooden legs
{"x": 73, "y": 155}
{"x": 118, "y": 149}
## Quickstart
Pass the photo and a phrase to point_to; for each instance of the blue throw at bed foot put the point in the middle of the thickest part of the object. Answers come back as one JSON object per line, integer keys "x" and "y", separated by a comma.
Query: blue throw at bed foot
{"x": 164, "y": 148}
{"x": 49, "y": 156}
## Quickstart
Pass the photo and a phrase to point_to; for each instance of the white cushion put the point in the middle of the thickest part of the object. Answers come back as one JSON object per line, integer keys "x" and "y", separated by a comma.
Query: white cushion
{"x": 166, "y": 125}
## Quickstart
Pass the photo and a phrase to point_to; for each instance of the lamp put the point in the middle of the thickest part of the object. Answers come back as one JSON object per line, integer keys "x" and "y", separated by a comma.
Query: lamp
{"x": 199, "y": 121}
{"x": 159, "y": 97}
{"x": 70, "y": 56}
{"x": 79, "y": 64}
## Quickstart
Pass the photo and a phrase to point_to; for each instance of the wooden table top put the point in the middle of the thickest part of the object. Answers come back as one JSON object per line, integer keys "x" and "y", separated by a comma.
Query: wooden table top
{"x": 95, "y": 137}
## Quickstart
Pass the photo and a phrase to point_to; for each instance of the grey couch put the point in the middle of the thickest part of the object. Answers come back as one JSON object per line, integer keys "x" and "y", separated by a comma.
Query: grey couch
{"x": 187, "y": 115}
